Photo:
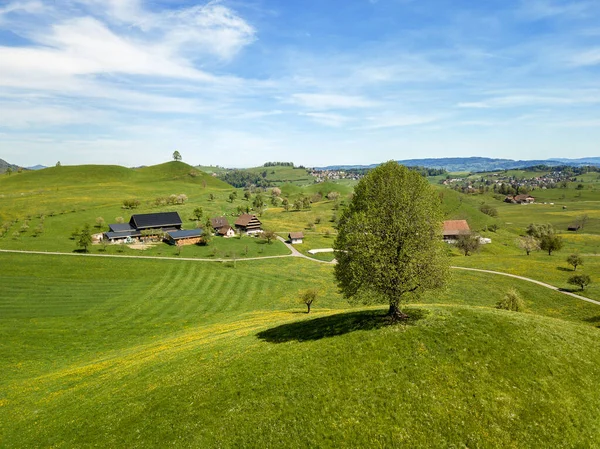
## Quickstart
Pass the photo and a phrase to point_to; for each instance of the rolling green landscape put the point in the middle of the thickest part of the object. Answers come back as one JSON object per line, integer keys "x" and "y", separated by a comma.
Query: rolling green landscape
{"x": 198, "y": 347}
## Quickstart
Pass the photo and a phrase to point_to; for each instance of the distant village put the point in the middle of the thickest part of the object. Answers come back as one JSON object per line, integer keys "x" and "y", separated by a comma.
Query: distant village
{"x": 510, "y": 185}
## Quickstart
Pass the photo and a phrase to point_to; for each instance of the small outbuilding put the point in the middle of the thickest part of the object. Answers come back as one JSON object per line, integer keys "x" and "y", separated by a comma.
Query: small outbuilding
{"x": 295, "y": 237}
{"x": 184, "y": 237}
{"x": 520, "y": 199}
{"x": 454, "y": 228}
{"x": 225, "y": 231}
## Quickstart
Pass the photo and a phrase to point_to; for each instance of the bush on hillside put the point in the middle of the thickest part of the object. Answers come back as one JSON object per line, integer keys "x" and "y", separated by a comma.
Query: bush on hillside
{"x": 511, "y": 301}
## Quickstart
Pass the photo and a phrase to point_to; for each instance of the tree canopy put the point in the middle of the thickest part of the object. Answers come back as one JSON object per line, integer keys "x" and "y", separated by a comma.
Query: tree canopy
{"x": 389, "y": 245}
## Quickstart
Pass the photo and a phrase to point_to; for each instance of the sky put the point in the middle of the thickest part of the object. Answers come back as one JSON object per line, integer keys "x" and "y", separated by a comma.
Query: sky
{"x": 317, "y": 82}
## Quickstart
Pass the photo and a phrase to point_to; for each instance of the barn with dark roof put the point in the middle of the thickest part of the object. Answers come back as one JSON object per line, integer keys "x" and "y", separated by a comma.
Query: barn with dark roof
{"x": 160, "y": 222}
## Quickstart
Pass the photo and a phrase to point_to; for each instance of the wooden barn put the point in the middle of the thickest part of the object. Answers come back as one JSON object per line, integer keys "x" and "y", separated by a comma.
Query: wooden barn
{"x": 249, "y": 224}
{"x": 159, "y": 222}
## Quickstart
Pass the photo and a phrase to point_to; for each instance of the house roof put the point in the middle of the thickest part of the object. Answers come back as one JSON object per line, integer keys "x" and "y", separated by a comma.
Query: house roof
{"x": 223, "y": 230}
{"x": 247, "y": 219}
{"x": 121, "y": 235}
{"x": 456, "y": 227}
{"x": 296, "y": 235}
{"x": 522, "y": 197}
{"x": 219, "y": 222}
{"x": 157, "y": 220}
{"x": 120, "y": 227}
{"x": 185, "y": 234}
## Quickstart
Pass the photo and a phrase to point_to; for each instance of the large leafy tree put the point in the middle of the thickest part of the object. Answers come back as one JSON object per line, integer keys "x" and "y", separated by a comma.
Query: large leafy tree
{"x": 389, "y": 245}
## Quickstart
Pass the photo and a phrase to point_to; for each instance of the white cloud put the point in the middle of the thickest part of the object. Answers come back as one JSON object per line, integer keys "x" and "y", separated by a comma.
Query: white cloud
{"x": 332, "y": 101}
{"x": 327, "y": 119}
{"x": 31, "y": 6}
{"x": 587, "y": 58}
{"x": 398, "y": 121}
{"x": 543, "y": 9}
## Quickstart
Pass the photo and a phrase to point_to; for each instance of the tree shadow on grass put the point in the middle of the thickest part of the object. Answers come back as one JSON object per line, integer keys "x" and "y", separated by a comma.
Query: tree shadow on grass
{"x": 570, "y": 290}
{"x": 334, "y": 325}
{"x": 564, "y": 269}
{"x": 595, "y": 320}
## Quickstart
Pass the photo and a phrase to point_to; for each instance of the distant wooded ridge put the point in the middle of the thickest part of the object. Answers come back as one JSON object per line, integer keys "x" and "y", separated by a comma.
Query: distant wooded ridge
{"x": 476, "y": 164}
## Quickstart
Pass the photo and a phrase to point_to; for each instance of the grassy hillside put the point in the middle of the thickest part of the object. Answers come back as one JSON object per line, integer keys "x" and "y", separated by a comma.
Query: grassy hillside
{"x": 143, "y": 353}
{"x": 280, "y": 174}
{"x": 64, "y": 189}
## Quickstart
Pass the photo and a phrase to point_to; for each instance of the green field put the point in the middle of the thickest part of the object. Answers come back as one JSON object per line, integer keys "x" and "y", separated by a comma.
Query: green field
{"x": 154, "y": 353}
{"x": 141, "y": 352}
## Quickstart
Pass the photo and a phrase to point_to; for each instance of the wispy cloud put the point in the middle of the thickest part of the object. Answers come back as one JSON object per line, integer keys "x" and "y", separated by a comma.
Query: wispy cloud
{"x": 332, "y": 101}
{"x": 327, "y": 119}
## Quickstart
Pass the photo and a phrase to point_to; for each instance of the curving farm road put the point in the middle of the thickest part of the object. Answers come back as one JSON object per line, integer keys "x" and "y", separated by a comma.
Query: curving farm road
{"x": 294, "y": 253}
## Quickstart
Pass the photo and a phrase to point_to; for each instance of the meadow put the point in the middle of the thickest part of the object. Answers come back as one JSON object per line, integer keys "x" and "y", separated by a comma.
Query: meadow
{"x": 144, "y": 353}
{"x": 140, "y": 352}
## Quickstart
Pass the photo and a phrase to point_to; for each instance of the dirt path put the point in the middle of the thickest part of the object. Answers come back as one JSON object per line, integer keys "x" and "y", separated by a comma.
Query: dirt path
{"x": 522, "y": 278}
{"x": 125, "y": 256}
{"x": 295, "y": 253}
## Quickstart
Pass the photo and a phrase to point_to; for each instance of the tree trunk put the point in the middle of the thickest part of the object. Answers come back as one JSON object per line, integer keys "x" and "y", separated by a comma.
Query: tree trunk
{"x": 308, "y": 305}
{"x": 395, "y": 313}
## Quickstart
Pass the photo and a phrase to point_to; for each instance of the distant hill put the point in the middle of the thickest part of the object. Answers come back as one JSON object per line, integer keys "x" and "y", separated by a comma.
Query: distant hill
{"x": 4, "y": 166}
{"x": 475, "y": 164}
{"x": 37, "y": 167}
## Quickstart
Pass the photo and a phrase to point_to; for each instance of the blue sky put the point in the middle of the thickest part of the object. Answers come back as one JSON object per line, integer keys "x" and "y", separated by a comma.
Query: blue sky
{"x": 237, "y": 83}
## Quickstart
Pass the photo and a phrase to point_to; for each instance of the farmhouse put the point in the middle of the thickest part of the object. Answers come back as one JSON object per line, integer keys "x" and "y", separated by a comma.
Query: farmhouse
{"x": 226, "y": 231}
{"x": 295, "y": 237}
{"x": 184, "y": 237}
{"x": 249, "y": 224}
{"x": 159, "y": 222}
{"x": 519, "y": 199}
{"x": 454, "y": 228}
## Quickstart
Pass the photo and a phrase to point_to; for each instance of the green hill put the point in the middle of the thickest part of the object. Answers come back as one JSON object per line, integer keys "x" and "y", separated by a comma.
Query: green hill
{"x": 145, "y": 353}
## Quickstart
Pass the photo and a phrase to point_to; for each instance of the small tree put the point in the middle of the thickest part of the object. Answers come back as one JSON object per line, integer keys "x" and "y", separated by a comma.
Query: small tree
{"x": 468, "y": 243}
{"x": 58, "y": 164}
{"x": 539, "y": 230}
{"x": 211, "y": 197}
{"x": 119, "y": 220}
{"x": 511, "y": 301}
{"x": 231, "y": 197}
{"x": 275, "y": 191}
{"x": 582, "y": 280}
{"x": 297, "y": 204}
{"x": 100, "y": 222}
{"x": 198, "y": 212}
{"x": 269, "y": 235}
{"x": 75, "y": 233}
{"x": 550, "y": 243}
{"x": 489, "y": 210}
{"x": 85, "y": 238}
{"x": 176, "y": 156}
{"x": 286, "y": 204}
{"x": 333, "y": 196}
{"x": 9, "y": 170}
{"x": 528, "y": 243}
{"x": 308, "y": 297}
{"x": 247, "y": 195}
{"x": 575, "y": 260}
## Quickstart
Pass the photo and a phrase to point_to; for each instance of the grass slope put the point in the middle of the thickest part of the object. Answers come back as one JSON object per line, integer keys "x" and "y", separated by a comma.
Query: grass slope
{"x": 143, "y": 353}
